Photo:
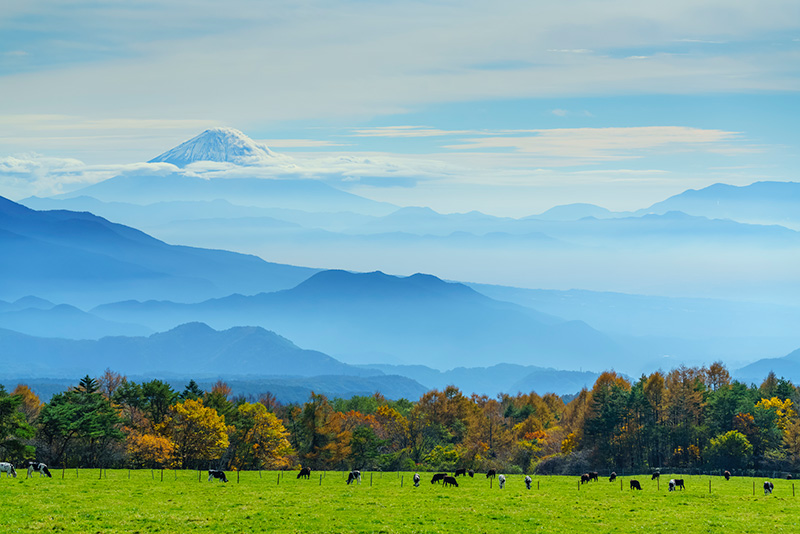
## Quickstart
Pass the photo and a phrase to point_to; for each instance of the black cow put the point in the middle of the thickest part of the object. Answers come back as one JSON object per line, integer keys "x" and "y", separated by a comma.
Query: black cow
{"x": 450, "y": 481}
{"x": 438, "y": 477}
{"x": 727, "y": 475}
{"x": 788, "y": 477}
{"x": 585, "y": 478}
{"x": 679, "y": 483}
{"x": 471, "y": 473}
{"x": 613, "y": 477}
{"x": 593, "y": 476}
{"x": 304, "y": 473}
{"x": 655, "y": 476}
{"x": 355, "y": 475}
{"x": 635, "y": 485}
{"x": 768, "y": 487}
{"x": 462, "y": 471}
{"x": 416, "y": 480}
{"x": 491, "y": 473}
{"x": 39, "y": 467}
{"x": 216, "y": 473}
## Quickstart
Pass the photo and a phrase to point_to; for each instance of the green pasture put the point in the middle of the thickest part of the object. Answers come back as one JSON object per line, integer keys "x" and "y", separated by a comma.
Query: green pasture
{"x": 91, "y": 501}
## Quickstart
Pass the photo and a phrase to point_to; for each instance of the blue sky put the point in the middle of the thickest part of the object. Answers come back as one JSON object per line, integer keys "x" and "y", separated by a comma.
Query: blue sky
{"x": 507, "y": 107}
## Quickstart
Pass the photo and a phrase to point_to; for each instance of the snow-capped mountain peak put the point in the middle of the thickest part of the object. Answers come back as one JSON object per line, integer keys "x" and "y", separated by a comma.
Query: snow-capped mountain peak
{"x": 220, "y": 145}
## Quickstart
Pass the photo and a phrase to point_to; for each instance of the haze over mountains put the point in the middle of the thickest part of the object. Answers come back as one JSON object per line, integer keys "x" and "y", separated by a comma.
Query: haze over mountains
{"x": 705, "y": 275}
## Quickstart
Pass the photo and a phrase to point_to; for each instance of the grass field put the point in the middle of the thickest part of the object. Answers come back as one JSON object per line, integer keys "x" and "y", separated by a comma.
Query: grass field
{"x": 139, "y": 501}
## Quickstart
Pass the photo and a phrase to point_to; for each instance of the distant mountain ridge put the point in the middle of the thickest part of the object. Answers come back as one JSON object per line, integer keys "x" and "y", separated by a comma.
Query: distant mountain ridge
{"x": 417, "y": 319}
{"x": 760, "y": 202}
{"x": 191, "y": 349}
{"x": 84, "y": 259}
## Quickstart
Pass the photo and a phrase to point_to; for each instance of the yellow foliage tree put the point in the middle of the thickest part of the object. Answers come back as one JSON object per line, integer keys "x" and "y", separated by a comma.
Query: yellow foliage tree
{"x": 150, "y": 450}
{"x": 260, "y": 439}
{"x": 31, "y": 405}
{"x": 199, "y": 432}
{"x": 783, "y": 410}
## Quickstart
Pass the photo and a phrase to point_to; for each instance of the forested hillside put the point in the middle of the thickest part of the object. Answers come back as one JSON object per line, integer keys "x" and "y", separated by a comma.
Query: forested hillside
{"x": 686, "y": 418}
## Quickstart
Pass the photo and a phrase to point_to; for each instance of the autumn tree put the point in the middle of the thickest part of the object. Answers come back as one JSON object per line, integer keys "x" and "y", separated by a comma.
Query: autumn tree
{"x": 259, "y": 439}
{"x": 150, "y": 450}
{"x": 199, "y": 432}
{"x": 31, "y": 405}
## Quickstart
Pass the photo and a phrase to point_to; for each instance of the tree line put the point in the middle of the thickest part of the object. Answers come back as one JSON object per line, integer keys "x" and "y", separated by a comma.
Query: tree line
{"x": 689, "y": 417}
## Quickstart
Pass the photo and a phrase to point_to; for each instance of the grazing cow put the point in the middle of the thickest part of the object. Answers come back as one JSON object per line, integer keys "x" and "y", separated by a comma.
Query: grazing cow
{"x": 528, "y": 481}
{"x": 416, "y": 480}
{"x": 672, "y": 485}
{"x": 635, "y": 485}
{"x": 450, "y": 481}
{"x": 8, "y": 469}
{"x": 216, "y": 473}
{"x": 471, "y": 473}
{"x": 679, "y": 484}
{"x": 585, "y": 478}
{"x": 462, "y": 471}
{"x": 491, "y": 473}
{"x": 655, "y": 476}
{"x": 38, "y": 467}
{"x": 304, "y": 473}
{"x": 788, "y": 477}
{"x": 355, "y": 475}
{"x": 438, "y": 477}
{"x": 768, "y": 487}
{"x": 502, "y": 480}
{"x": 727, "y": 475}
{"x": 593, "y": 476}
{"x": 613, "y": 477}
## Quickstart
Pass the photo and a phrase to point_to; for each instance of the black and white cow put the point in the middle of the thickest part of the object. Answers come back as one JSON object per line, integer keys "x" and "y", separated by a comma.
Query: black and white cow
{"x": 672, "y": 485}
{"x": 8, "y": 469}
{"x": 502, "y": 480}
{"x": 528, "y": 481}
{"x": 471, "y": 473}
{"x": 39, "y": 467}
{"x": 613, "y": 477}
{"x": 768, "y": 487}
{"x": 355, "y": 475}
{"x": 304, "y": 473}
{"x": 416, "y": 480}
{"x": 727, "y": 475}
{"x": 217, "y": 474}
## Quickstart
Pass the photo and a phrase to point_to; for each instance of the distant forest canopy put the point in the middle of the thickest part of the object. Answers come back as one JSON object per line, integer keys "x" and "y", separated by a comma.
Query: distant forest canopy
{"x": 687, "y": 418}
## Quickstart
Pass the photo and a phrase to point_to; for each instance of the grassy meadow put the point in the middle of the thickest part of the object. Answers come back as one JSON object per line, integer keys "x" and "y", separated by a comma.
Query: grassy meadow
{"x": 139, "y": 501}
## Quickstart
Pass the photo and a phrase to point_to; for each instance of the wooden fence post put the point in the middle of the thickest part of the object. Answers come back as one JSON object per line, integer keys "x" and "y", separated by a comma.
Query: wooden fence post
{"x": 401, "y": 482}
{"x": 237, "y": 476}
{"x": 370, "y": 480}
{"x": 320, "y": 480}
{"x": 279, "y": 479}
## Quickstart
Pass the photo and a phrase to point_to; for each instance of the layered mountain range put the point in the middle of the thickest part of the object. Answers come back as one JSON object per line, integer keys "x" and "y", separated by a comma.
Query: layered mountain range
{"x": 705, "y": 275}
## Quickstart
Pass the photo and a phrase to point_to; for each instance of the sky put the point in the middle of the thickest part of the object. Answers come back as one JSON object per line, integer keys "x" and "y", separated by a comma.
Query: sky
{"x": 506, "y": 107}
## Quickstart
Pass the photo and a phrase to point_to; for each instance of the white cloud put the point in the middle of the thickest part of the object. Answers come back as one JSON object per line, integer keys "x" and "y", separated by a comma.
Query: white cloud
{"x": 592, "y": 145}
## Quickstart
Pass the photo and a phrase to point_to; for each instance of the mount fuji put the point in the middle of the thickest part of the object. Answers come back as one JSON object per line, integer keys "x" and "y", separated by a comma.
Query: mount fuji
{"x": 222, "y": 145}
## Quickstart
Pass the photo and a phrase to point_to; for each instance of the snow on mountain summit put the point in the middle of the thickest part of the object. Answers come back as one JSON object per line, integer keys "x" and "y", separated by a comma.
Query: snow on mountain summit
{"x": 220, "y": 145}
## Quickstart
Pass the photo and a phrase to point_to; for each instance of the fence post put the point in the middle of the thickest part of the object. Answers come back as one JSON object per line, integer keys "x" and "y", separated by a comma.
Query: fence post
{"x": 320, "y": 480}
{"x": 370, "y": 480}
{"x": 198, "y": 475}
{"x": 63, "y": 470}
{"x": 279, "y": 479}
{"x": 754, "y": 487}
{"x": 237, "y": 476}
{"x": 401, "y": 483}
{"x": 162, "y": 474}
